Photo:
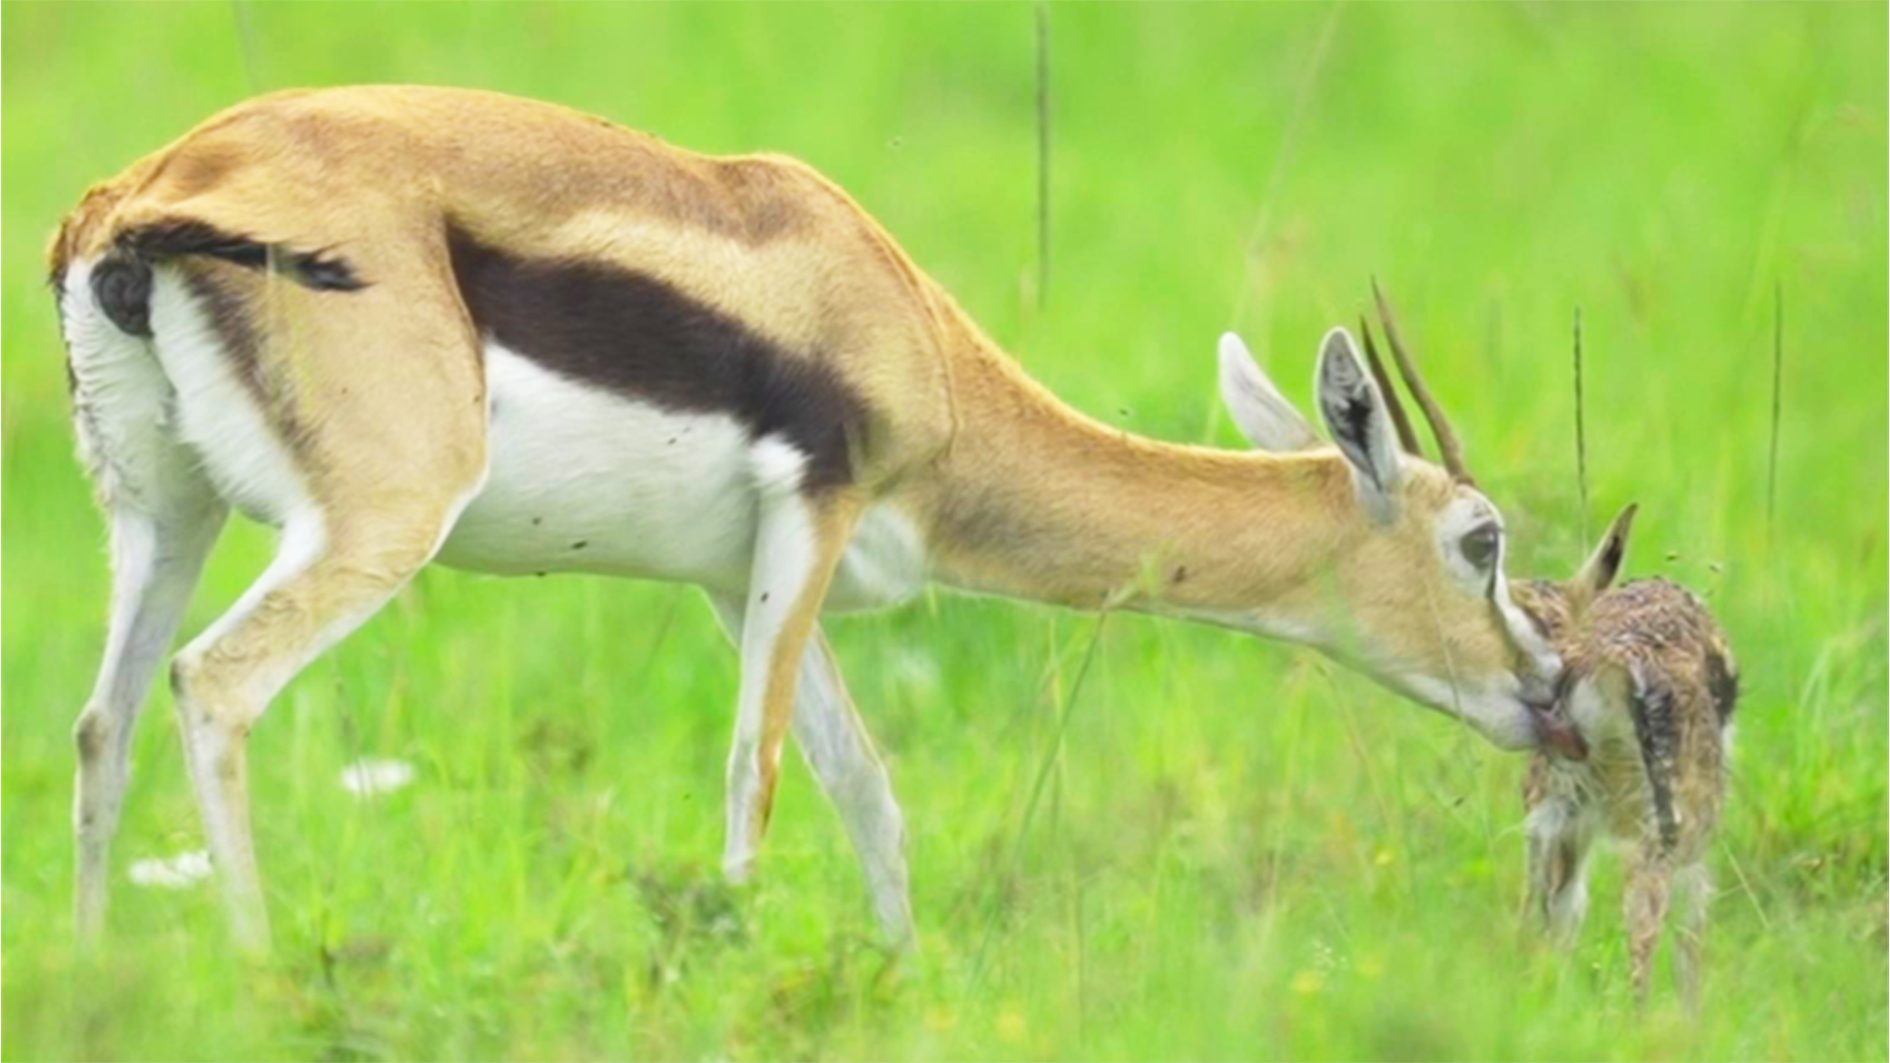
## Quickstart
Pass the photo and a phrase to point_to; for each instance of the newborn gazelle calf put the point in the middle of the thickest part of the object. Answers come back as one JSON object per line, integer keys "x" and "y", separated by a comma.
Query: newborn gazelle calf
{"x": 1649, "y": 688}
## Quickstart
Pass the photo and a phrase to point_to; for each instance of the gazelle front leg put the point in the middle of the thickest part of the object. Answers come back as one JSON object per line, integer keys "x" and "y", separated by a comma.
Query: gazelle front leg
{"x": 1559, "y": 840}
{"x": 834, "y": 741}
{"x": 798, "y": 543}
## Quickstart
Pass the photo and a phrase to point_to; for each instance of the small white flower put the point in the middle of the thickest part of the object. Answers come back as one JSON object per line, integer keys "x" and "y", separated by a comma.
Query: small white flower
{"x": 372, "y": 776}
{"x": 180, "y": 872}
{"x": 916, "y": 669}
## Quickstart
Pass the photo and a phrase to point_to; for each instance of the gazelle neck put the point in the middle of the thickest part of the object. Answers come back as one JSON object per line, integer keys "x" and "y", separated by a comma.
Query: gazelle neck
{"x": 1040, "y": 502}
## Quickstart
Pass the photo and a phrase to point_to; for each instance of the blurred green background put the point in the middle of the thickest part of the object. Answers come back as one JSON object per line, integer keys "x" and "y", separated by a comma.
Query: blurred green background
{"x": 1245, "y": 853}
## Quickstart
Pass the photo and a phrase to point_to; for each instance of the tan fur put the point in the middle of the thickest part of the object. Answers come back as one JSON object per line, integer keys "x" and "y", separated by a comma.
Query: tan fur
{"x": 376, "y": 171}
{"x": 379, "y": 396}
{"x": 1038, "y": 501}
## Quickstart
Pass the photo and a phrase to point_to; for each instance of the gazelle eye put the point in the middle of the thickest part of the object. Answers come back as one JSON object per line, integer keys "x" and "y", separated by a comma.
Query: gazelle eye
{"x": 1479, "y": 546}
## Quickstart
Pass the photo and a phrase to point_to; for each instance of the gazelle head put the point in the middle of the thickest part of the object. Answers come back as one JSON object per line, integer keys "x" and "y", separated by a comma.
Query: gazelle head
{"x": 1413, "y": 591}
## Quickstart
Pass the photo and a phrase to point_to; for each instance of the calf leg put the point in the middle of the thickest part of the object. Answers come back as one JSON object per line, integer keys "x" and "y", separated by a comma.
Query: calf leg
{"x": 1559, "y": 843}
{"x": 1644, "y": 904}
{"x": 1695, "y": 885}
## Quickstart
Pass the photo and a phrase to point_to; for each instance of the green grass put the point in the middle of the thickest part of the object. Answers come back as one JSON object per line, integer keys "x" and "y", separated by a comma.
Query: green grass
{"x": 1244, "y": 851}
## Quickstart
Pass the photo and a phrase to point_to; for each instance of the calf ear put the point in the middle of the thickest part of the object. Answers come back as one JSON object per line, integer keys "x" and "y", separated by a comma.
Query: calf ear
{"x": 1355, "y": 415}
{"x": 1598, "y": 572}
{"x": 1261, "y": 413}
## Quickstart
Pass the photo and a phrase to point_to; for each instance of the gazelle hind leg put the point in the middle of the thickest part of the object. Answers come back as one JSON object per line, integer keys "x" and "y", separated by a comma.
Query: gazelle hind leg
{"x": 835, "y": 744}
{"x": 332, "y": 573}
{"x": 164, "y": 518}
{"x": 369, "y": 406}
{"x": 155, "y": 564}
{"x": 1644, "y": 904}
{"x": 798, "y": 543}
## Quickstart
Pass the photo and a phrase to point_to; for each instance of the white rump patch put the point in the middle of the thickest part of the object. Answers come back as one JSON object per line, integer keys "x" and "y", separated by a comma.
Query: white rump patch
{"x": 122, "y": 402}
{"x": 219, "y": 418}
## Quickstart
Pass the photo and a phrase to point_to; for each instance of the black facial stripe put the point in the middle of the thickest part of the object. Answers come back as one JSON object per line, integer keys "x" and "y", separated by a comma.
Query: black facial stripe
{"x": 1502, "y": 624}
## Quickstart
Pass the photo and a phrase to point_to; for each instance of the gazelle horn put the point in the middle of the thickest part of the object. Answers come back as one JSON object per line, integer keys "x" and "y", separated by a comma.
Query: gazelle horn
{"x": 1393, "y": 404}
{"x": 1449, "y": 449}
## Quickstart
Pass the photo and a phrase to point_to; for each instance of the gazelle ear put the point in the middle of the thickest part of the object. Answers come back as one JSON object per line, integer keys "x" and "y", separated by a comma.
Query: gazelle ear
{"x": 1355, "y": 415}
{"x": 1598, "y": 572}
{"x": 1261, "y": 413}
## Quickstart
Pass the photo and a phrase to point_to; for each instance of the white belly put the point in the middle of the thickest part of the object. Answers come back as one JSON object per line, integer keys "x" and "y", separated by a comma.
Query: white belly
{"x": 582, "y": 480}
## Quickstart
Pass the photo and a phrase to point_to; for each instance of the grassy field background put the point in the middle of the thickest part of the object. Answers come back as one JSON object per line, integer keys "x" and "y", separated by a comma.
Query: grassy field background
{"x": 1244, "y": 852}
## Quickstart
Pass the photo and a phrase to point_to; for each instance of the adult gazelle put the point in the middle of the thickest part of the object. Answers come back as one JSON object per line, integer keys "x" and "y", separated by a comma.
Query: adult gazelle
{"x": 409, "y": 324}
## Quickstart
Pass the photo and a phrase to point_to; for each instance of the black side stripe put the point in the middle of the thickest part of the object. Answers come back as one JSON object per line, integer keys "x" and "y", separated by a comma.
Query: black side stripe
{"x": 641, "y": 337}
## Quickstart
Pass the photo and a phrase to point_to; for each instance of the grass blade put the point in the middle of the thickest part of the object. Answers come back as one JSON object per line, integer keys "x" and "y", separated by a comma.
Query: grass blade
{"x": 1581, "y": 433}
{"x": 1778, "y": 391}
{"x": 1043, "y": 152}
{"x": 1050, "y": 758}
